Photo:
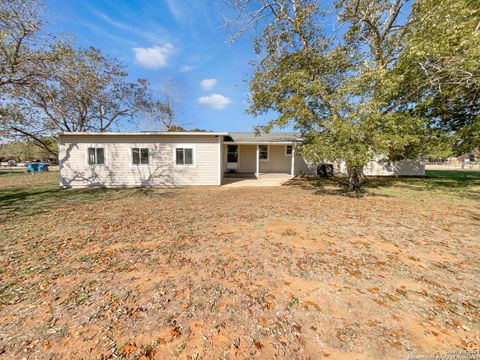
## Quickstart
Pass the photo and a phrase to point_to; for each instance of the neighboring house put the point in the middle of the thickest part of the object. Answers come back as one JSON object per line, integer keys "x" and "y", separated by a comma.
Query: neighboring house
{"x": 188, "y": 158}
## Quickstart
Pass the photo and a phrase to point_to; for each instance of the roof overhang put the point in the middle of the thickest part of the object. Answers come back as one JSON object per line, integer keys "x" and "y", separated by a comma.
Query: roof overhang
{"x": 152, "y": 133}
{"x": 262, "y": 142}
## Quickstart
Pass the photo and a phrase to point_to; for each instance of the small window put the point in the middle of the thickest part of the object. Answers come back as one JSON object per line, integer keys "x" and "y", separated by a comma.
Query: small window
{"x": 96, "y": 156}
{"x": 288, "y": 150}
{"x": 232, "y": 153}
{"x": 263, "y": 149}
{"x": 184, "y": 156}
{"x": 140, "y": 156}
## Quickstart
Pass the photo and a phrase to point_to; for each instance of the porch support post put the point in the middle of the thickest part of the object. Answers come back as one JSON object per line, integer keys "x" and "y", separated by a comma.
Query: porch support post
{"x": 257, "y": 172}
{"x": 293, "y": 161}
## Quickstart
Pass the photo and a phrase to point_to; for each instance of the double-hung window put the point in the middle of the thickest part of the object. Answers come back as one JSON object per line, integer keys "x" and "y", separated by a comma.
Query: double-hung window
{"x": 140, "y": 156}
{"x": 288, "y": 150}
{"x": 263, "y": 152}
{"x": 184, "y": 156}
{"x": 96, "y": 156}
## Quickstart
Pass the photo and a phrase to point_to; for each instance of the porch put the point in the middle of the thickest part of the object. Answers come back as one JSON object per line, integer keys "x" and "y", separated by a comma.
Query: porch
{"x": 259, "y": 160}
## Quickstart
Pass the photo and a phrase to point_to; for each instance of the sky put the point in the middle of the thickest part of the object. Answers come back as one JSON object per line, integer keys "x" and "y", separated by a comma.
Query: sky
{"x": 180, "y": 42}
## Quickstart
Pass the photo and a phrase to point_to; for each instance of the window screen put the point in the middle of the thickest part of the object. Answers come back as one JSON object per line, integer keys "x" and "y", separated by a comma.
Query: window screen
{"x": 140, "y": 156}
{"x": 96, "y": 156}
{"x": 184, "y": 156}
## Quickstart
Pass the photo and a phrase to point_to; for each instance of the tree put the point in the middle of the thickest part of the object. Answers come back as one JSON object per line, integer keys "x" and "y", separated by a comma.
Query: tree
{"x": 85, "y": 91}
{"x": 440, "y": 69}
{"x": 164, "y": 110}
{"x": 332, "y": 89}
{"x": 21, "y": 53}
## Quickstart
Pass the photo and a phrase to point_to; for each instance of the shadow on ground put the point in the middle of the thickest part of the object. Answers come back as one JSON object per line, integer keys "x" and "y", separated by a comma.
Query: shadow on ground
{"x": 460, "y": 184}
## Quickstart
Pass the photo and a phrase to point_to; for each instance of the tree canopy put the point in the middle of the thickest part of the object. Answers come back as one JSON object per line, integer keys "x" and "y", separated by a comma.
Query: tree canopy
{"x": 356, "y": 94}
{"x": 50, "y": 85}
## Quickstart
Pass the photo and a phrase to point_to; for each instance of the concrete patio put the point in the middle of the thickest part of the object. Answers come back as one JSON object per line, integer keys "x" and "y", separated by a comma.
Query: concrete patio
{"x": 250, "y": 180}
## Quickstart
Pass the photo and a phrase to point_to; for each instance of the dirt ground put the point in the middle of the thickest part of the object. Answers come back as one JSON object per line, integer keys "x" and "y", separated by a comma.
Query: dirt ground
{"x": 244, "y": 273}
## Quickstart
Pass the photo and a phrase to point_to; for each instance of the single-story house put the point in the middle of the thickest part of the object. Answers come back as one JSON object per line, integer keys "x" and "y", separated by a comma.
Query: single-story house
{"x": 121, "y": 159}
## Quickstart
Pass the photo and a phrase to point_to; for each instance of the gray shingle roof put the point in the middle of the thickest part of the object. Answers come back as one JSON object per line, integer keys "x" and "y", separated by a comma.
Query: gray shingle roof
{"x": 270, "y": 137}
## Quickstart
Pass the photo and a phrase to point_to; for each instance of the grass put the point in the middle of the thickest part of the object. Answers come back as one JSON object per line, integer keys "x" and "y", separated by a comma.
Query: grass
{"x": 297, "y": 271}
{"x": 454, "y": 185}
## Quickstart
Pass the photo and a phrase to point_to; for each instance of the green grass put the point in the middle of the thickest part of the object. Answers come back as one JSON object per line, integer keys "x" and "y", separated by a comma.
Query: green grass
{"x": 12, "y": 170}
{"x": 451, "y": 184}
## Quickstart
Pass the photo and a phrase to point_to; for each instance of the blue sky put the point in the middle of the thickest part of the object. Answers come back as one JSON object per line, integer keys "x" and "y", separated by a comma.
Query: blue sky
{"x": 176, "y": 41}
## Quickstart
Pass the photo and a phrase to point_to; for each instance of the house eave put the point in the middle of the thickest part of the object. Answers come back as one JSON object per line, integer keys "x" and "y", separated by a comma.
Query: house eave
{"x": 263, "y": 142}
{"x": 152, "y": 133}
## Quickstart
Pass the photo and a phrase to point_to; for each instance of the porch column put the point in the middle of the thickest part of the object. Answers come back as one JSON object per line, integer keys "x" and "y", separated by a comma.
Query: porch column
{"x": 293, "y": 161}
{"x": 257, "y": 172}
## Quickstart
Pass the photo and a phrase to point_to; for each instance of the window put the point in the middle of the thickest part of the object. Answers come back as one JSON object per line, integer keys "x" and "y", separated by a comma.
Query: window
{"x": 288, "y": 150}
{"x": 184, "y": 156}
{"x": 96, "y": 156}
{"x": 232, "y": 153}
{"x": 263, "y": 149}
{"x": 140, "y": 156}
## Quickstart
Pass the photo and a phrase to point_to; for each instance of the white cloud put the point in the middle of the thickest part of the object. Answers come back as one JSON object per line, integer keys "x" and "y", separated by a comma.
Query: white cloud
{"x": 214, "y": 101}
{"x": 154, "y": 57}
{"x": 207, "y": 84}
{"x": 185, "y": 68}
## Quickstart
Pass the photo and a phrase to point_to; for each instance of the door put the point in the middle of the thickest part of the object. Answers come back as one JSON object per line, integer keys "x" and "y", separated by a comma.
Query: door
{"x": 232, "y": 157}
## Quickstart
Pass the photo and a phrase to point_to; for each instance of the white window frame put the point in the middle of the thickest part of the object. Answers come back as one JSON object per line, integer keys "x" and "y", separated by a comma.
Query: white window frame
{"x": 96, "y": 146}
{"x": 260, "y": 151}
{"x": 184, "y": 146}
{"x": 149, "y": 157}
{"x": 286, "y": 153}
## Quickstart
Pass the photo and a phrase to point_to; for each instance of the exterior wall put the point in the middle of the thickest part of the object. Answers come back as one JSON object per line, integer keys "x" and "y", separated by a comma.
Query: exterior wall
{"x": 277, "y": 160}
{"x": 398, "y": 168}
{"x": 248, "y": 156}
{"x": 380, "y": 168}
{"x": 119, "y": 170}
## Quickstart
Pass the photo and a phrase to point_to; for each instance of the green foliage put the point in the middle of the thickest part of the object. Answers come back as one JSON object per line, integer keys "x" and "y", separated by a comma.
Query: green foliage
{"x": 333, "y": 90}
{"x": 403, "y": 81}
{"x": 25, "y": 150}
{"x": 438, "y": 71}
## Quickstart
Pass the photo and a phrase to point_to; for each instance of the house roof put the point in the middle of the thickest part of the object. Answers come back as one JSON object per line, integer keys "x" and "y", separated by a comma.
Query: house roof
{"x": 170, "y": 133}
{"x": 229, "y": 137}
{"x": 272, "y": 137}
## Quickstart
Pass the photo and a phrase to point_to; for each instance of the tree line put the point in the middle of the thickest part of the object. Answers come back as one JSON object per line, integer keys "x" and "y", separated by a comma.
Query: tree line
{"x": 396, "y": 79}
{"x": 50, "y": 85}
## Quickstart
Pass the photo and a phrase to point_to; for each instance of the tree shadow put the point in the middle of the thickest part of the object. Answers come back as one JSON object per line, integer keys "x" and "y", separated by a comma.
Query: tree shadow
{"x": 462, "y": 184}
{"x": 116, "y": 174}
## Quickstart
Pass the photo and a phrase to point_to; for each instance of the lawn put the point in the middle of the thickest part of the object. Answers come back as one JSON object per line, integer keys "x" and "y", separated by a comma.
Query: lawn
{"x": 294, "y": 272}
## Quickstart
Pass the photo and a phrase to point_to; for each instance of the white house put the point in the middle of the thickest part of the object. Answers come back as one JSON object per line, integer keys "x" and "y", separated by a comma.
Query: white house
{"x": 188, "y": 158}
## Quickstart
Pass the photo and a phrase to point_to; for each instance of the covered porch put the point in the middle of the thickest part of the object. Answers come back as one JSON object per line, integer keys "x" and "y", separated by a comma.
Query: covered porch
{"x": 256, "y": 160}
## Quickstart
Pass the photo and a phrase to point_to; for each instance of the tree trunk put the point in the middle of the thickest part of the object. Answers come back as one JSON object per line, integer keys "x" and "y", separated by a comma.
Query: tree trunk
{"x": 354, "y": 178}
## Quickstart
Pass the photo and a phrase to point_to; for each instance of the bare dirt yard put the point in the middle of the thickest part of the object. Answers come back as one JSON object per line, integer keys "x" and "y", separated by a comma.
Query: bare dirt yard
{"x": 293, "y": 272}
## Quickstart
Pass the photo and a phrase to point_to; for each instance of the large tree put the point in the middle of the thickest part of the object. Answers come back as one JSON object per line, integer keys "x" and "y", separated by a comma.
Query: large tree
{"x": 21, "y": 46}
{"x": 439, "y": 69}
{"x": 50, "y": 86}
{"x": 85, "y": 91}
{"x": 333, "y": 89}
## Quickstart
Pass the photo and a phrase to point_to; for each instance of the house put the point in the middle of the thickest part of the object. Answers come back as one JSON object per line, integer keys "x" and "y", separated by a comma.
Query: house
{"x": 124, "y": 159}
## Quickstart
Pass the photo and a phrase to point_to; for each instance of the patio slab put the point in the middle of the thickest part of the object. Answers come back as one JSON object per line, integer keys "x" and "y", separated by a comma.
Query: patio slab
{"x": 268, "y": 179}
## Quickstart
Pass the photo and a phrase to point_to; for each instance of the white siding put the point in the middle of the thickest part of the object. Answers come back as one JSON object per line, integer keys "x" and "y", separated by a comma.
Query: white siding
{"x": 383, "y": 168}
{"x": 119, "y": 170}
